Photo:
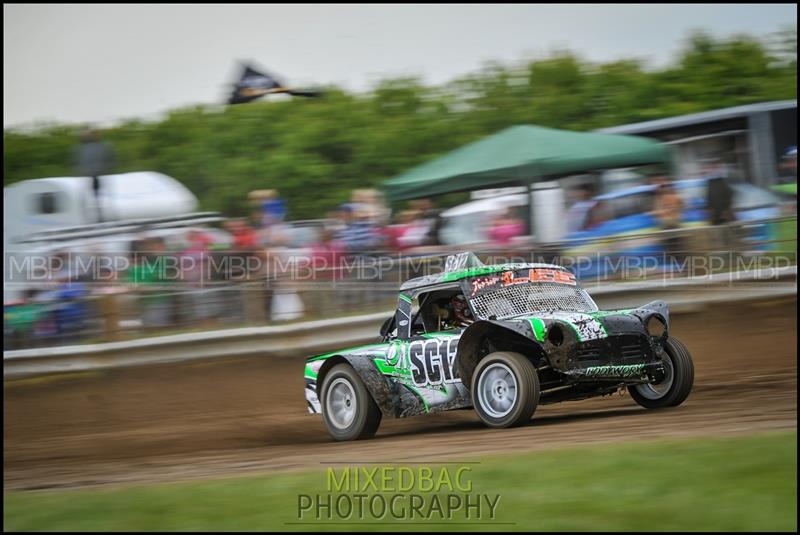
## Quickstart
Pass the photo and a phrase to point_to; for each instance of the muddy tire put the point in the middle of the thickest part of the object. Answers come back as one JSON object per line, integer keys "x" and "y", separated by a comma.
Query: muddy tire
{"x": 677, "y": 384}
{"x": 348, "y": 410}
{"x": 504, "y": 389}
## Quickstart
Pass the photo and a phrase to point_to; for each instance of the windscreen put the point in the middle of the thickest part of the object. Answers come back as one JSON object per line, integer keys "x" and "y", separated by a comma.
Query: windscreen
{"x": 525, "y": 292}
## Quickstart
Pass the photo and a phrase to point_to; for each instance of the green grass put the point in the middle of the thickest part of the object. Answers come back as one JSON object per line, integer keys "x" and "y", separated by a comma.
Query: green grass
{"x": 738, "y": 483}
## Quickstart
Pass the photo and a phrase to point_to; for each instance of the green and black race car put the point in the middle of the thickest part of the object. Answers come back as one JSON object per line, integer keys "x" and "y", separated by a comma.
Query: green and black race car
{"x": 502, "y": 339}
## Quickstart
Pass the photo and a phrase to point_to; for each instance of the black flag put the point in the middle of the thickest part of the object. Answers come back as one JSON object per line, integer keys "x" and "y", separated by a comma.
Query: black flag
{"x": 254, "y": 84}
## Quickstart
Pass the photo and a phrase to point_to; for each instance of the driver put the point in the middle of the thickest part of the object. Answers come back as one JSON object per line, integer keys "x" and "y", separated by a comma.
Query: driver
{"x": 461, "y": 312}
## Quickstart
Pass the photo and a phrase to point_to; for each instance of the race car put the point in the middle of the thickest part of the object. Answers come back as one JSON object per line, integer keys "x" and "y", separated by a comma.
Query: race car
{"x": 502, "y": 339}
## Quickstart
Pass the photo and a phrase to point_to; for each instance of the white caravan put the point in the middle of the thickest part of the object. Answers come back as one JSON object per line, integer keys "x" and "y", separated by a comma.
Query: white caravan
{"x": 63, "y": 210}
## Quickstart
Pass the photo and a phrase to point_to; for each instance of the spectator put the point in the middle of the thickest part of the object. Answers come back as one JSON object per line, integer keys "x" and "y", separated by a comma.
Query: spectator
{"x": 196, "y": 250}
{"x": 71, "y": 313}
{"x": 668, "y": 210}
{"x": 410, "y": 231}
{"x": 201, "y": 303}
{"x": 245, "y": 237}
{"x": 94, "y": 158}
{"x": 431, "y": 218}
{"x": 147, "y": 270}
{"x": 271, "y": 207}
{"x": 394, "y": 233}
{"x": 370, "y": 203}
{"x": 326, "y": 256}
{"x": 505, "y": 228}
{"x": 719, "y": 195}
{"x": 268, "y": 217}
{"x": 19, "y": 319}
{"x": 577, "y": 213}
{"x": 787, "y": 169}
{"x": 360, "y": 234}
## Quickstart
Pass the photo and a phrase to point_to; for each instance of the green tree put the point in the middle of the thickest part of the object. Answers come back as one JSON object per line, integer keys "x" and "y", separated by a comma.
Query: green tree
{"x": 315, "y": 151}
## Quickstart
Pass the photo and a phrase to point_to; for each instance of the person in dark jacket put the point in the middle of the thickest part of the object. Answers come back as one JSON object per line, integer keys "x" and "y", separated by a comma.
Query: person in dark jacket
{"x": 94, "y": 158}
{"x": 719, "y": 197}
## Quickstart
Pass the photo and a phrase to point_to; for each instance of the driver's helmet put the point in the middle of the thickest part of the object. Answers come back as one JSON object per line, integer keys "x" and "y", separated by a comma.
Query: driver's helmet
{"x": 461, "y": 311}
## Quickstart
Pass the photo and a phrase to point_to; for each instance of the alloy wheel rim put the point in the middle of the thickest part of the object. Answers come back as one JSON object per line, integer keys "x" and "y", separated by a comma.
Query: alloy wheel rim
{"x": 341, "y": 403}
{"x": 659, "y": 390}
{"x": 497, "y": 390}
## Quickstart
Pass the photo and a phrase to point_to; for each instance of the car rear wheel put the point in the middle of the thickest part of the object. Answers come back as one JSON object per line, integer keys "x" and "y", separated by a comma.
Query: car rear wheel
{"x": 677, "y": 383}
{"x": 505, "y": 389}
{"x": 348, "y": 409}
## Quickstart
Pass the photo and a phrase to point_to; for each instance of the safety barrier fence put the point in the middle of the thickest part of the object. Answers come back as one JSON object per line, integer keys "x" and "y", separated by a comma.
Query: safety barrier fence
{"x": 313, "y": 337}
{"x": 274, "y": 288}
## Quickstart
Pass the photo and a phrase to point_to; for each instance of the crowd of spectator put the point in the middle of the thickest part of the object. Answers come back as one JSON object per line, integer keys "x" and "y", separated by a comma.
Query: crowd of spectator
{"x": 188, "y": 260}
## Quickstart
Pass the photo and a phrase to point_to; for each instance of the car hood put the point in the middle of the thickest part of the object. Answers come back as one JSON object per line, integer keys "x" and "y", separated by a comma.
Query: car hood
{"x": 589, "y": 325}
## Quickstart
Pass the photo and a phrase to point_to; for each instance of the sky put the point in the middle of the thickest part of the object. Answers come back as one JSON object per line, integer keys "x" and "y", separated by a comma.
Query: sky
{"x": 101, "y": 64}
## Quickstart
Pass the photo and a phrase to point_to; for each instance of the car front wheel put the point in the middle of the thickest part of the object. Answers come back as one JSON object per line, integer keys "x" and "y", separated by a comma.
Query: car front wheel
{"x": 677, "y": 383}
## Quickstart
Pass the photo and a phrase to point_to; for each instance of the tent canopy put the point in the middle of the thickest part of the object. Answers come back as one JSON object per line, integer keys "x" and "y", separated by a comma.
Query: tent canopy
{"x": 524, "y": 154}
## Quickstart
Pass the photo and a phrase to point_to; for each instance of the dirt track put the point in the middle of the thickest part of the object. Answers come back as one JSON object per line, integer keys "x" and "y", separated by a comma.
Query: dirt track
{"x": 172, "y": 422}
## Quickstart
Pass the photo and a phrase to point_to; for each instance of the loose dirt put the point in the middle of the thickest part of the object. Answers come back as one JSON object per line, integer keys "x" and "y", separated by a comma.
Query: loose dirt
{"x": 242, "y": 416}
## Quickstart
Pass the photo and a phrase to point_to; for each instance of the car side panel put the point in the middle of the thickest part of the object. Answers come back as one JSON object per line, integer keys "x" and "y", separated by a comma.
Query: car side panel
{"x": 405, "y": 378}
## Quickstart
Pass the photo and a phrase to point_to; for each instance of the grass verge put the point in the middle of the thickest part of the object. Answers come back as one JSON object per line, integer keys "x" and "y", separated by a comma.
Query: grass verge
{"x": 734, "y": 483}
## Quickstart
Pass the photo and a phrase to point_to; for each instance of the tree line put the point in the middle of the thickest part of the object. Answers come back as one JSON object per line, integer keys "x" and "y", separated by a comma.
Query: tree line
{"x": 315, "y": 151}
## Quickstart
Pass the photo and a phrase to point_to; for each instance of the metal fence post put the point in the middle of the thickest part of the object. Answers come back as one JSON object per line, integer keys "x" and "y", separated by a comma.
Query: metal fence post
{"x": 110, "y": 310}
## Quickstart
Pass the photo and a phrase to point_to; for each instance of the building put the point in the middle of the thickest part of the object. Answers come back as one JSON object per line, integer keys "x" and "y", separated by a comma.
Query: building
{"x": 750, "y": 139}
